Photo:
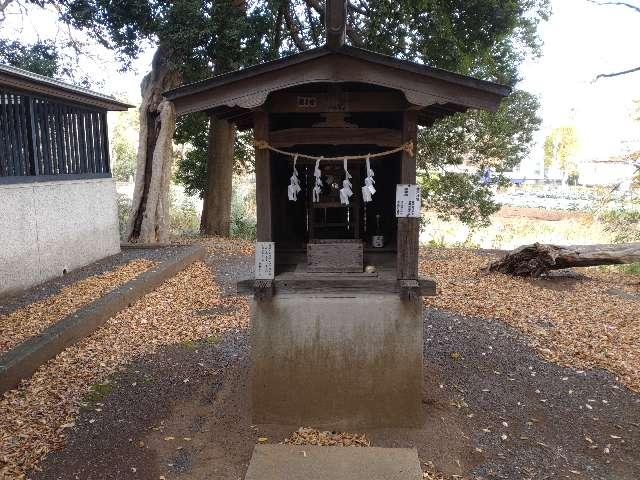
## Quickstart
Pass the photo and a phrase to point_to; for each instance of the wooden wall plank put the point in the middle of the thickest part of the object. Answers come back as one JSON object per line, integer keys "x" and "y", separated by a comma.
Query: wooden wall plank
{"x": 6, "y": 151}
{"x": 408, "y": 228}
{"x": 23, "y": 146}
{"x": 73, "y": 165}
{"x": 3, "y": 157}
{"x": 58, "y": 132}
{"x": 14, "y": 160}
{"x": 67, "y": 138}
{"x": 105, "y": 141}
{"x": 33, "y": 139}
{"x": 384, "y": 137}
{"x": 93, "y": 164}
{"x": 76, "y": 139}
{"x": 264, "y": 228}
{"x": 18, "y": 127}
{"x": 288, "y": 102}
{"x": 100, "y": 142}
{"x": 42, "y": 137}
{"x": 83, "y": 141}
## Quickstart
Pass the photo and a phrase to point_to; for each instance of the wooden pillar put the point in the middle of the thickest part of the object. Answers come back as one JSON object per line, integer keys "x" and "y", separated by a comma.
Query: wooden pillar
{"x": 408, "y": 228}
{"x": 264, "y": 228}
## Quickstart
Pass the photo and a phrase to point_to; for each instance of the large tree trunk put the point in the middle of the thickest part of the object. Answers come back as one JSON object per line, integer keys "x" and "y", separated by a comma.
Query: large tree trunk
{"x": 216, "y": 209}
{"x": 537, "y": 259}
{"x": 150, "y": 206}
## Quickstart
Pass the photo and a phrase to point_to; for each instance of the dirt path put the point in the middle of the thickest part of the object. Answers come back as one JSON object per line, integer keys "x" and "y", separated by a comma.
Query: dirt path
{"x": 494, "y": 409}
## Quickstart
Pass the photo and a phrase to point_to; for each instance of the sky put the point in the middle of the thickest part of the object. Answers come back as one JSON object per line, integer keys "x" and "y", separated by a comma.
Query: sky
{"x": 581, "y": 40}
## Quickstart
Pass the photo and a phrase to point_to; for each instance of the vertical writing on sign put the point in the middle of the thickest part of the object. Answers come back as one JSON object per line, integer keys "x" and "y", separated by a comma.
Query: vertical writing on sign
{"x": 408, "y": 201}
{"x": 265, "y": 259}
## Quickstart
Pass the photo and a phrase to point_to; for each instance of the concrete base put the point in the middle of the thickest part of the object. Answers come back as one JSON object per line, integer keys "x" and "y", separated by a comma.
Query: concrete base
{"x": 337, "y": 361}
{"x": 293, "y": 462}
{"x": 47, "y": 228}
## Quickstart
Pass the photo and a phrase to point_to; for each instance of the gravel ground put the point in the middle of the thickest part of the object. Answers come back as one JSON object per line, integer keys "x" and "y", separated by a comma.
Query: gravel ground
{"x": 559, "y": 422}
{"x": 494, "y": 409}
{"x": 36, "y": 417}
{"x": 11, "y": 303}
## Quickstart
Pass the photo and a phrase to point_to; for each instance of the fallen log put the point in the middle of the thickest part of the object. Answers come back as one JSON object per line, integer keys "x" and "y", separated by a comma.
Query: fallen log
{"x": 537, "y": 259}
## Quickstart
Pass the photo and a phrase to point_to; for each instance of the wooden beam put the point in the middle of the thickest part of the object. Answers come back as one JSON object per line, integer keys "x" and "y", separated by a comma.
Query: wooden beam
{"x": 321, "y": 102}
{"x": 336, "y": 23}
{"x": 409, "y": 289}
{"x": 384, "y": 137}
{"x": 264, "y": 228}
{"x": 408, "y": 228}
{"x": 263, "y": 289}
{"x": 334, "y": 284}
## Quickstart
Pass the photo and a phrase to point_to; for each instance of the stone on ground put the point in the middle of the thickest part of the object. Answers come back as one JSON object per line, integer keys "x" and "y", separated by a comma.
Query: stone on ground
{"x": 304, "y": 462}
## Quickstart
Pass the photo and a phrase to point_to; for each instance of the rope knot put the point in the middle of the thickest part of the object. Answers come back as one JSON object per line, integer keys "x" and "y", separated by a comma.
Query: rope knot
{"x": 261, "y": 144}
{"x": 408, "y": 147}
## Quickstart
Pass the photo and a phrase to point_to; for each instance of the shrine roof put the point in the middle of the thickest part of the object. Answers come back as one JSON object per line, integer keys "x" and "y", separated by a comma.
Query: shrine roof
{"x": 430, "y": 89}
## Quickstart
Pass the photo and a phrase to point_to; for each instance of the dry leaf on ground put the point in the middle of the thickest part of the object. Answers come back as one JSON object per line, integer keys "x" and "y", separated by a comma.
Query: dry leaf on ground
{"x": 32, "y": 319}
{"x": 311, "y": 436}
{"x": 572, "y": 322}
{"x": 35, "y": 417}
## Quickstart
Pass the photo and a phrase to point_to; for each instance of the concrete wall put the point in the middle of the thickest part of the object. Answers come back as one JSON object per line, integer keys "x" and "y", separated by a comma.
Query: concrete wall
{"x": 49, "y": 227}
{"x": 337, "y": 361}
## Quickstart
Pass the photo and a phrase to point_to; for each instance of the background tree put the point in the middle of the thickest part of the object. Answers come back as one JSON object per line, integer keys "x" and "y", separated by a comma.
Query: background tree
{"x": 42, "y": 58}
{"x": 560, "y": 148}
{"x": 191, "y": 39}
{"x": 486, "y": 39}
{"x": 483, "y": 142}
{"x": 123, "y": 145}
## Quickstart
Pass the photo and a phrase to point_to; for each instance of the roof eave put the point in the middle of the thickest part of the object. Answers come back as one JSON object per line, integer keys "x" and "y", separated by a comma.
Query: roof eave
{"x": 32, "y": 83}
{"x": 237, "y": 75}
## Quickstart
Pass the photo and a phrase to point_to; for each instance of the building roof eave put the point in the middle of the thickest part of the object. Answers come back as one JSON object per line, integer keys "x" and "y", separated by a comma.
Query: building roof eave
{"x": 30, "y": 82}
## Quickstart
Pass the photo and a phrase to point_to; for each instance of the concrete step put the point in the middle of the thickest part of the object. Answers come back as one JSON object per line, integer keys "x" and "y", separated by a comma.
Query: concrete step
{"x": 296, "y": 462}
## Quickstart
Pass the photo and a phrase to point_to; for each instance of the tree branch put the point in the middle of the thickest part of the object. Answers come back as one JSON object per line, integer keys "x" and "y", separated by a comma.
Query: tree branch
{"x": 356, "y": 8}
{"x": 294, "y": 30}
{"x": 622, "y": 4}
{"x": 616, "y": 74}
{"x": 277, "y": 37}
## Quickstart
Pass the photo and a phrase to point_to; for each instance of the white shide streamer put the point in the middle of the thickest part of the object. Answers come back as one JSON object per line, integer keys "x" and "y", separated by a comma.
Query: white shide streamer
{"x": 368, "y": 190}
{"x": 294, "y": 186}
{"x": 346, "y": 190}
{"x": 317, "y": 189}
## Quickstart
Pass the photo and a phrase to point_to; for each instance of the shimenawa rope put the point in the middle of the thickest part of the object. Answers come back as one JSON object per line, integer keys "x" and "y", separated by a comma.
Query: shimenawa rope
{"x": 405, "y": 147}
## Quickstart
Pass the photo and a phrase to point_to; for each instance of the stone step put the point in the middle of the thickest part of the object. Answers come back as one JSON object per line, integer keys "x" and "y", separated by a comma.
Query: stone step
{"x": 301, "y": 462}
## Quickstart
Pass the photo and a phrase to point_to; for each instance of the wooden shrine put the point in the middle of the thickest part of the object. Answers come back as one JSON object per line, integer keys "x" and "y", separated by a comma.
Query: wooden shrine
{"x": 324, "y": 254}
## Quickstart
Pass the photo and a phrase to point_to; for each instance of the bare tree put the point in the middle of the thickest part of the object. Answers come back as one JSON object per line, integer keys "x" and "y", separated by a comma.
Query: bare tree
{"x": 628, "y": 70}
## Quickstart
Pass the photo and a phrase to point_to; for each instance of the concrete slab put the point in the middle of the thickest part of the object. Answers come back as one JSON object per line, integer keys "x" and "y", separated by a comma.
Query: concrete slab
{"x": 294, "y": 462}
{"x": 337, "y": 362}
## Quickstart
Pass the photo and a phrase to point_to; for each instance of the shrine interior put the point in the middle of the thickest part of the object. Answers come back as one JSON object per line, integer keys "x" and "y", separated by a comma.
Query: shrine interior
{"x": 296, "y": 223}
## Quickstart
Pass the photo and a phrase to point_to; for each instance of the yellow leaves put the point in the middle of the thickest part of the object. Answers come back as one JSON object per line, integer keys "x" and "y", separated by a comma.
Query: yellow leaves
{"x": 34, "y": 318}
{"x": 311, "y": 436}
{"x": 31, "y": 417}
{"x": 573, "y": 322}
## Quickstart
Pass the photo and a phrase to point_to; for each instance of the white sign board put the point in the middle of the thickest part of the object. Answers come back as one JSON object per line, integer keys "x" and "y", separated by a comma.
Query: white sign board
{"x": 408, "y": 201}
{"x": 265, "y": 259}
